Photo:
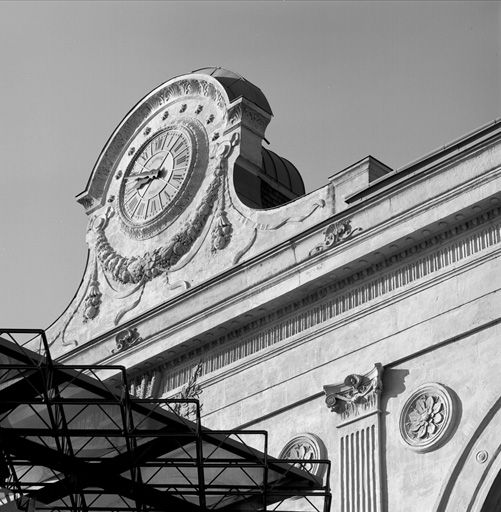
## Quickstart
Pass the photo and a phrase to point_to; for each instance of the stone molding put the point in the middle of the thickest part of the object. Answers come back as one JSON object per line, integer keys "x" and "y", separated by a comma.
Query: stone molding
{"x": 358, "y": 395}
{"x": 427, "y": 417}
{"x": 325, "y": 304}
{"x": 243, "y": 112}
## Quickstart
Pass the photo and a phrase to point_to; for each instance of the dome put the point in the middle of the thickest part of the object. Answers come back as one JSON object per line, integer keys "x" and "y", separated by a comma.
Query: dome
{"x": 283, "y": 172}
{"x": 237, "y": 86}
{"x": 276, "y": 183}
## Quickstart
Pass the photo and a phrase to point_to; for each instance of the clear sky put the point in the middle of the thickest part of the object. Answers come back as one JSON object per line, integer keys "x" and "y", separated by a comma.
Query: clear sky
{"x": 344, "y": 79}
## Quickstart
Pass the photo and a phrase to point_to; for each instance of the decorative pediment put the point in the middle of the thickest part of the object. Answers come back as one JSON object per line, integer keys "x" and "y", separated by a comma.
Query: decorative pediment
{"x": 181, "y": 193}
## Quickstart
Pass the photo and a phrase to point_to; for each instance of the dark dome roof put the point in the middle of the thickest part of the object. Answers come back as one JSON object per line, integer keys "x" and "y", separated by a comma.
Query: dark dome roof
{"x": 282, "y": 171}
{"x": 236, "y": 86}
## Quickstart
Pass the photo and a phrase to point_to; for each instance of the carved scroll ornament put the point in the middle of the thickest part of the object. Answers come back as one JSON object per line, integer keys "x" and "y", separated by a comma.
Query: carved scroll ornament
{"x": 357, "y": 395}
{"x": 126, "y": 339}
{"x": 335, "y": 234}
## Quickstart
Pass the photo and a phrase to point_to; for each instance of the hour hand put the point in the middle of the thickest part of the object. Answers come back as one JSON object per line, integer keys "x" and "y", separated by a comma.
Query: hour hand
{"x": 140, "y": 182}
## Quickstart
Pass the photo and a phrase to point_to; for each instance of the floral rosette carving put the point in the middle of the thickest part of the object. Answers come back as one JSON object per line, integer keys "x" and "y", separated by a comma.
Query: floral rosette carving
{"x": 152, "y": 264}
{"x": 427, "y": 417}
{"x": 308, "y": 448}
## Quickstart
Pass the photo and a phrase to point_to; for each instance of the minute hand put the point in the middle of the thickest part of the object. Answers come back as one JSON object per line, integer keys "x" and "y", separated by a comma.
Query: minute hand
{"x": 147, "y": 174}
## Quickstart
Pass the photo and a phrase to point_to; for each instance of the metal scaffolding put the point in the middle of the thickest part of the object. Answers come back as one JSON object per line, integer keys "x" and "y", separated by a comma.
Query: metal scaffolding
{"x": 72, "y": 438}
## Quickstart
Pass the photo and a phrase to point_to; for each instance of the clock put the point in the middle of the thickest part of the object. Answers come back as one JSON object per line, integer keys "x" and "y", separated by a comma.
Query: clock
{"x": 155, "y": 176}
{"x": 162, "y": 175}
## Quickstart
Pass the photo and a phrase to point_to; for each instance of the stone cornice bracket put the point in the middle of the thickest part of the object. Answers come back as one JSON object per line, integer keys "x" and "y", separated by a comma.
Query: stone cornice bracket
{"x": 358, "y": 395}
{"x": 356, "y": 401}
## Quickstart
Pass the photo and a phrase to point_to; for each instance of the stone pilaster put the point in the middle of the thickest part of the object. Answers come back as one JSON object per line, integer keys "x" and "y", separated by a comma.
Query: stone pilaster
{"x": 356, "y": 403}
{"x": 250, "y": 121}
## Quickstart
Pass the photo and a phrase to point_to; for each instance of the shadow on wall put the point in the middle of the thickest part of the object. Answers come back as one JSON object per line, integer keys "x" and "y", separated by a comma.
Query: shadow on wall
{"x": 393, "y": 385}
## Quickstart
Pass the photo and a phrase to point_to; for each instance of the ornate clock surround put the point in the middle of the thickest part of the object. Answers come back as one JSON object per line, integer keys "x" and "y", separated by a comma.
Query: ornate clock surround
{"x": 172, "y": 99}
{"x": 223, "y": 118}
{"x": 197, "y": 140}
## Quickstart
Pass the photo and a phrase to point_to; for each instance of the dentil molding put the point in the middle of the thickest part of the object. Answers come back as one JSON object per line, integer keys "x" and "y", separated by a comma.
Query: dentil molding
{"x": 430, "y": 256}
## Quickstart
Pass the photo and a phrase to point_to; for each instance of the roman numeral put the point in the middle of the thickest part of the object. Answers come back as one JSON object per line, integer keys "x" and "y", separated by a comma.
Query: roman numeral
{"x": 144, "y": 155}
{"x": 181, "y": 159}
{"x": 140, "y": 209}
{"x": 158, "y": 143}
{"x": 178, "y": 146}
{"x": 152, "y": 207}
{"x": 165, "y": 196}
{"x": 129, "y": 194}
{"x": 132, "y": 203}
{"x": 173, "y": 138}
{"x": 177, "y": 179}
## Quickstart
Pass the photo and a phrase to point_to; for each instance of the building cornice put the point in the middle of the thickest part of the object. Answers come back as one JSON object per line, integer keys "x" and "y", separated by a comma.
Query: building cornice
{"x": 343, "y": 301}
{"x": 439, "y": 158}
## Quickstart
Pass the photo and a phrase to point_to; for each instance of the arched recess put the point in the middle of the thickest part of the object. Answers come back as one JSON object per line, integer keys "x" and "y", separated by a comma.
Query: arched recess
{"x": 474, "y": 479}
{"x": 492, "y": 502}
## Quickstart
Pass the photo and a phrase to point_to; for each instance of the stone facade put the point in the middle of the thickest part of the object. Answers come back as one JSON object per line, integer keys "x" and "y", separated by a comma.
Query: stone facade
{"x": 359, "y": 322}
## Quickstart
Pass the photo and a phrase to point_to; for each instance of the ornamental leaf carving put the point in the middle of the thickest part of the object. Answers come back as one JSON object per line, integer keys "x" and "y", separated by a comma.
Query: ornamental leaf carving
{"x": 141, "y": 269}
{"x": 358, "y": 394}
{"x": 190, "y": 391}
{"x": 221, "y": 234}
{"x": 93, "y": 297}
{"x": 334, "y": 234}
{"x": 427, "y": 417}
{"x": 126, "y": 339}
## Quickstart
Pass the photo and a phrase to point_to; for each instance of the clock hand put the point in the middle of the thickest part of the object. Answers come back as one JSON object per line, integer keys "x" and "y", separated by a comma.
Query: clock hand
{"x": 165, "y": 158}
{"x": 141, "y": 182}
{"x": 153, "y": 173}
{"x": 161, "y": 164}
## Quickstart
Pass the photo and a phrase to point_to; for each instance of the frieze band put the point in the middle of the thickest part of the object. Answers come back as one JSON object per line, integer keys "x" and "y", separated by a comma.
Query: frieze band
{"x": 315, "y": 309}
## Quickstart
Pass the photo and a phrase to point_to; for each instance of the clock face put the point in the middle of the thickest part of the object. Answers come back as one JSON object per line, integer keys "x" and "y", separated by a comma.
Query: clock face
{"x": 156, "y": 176}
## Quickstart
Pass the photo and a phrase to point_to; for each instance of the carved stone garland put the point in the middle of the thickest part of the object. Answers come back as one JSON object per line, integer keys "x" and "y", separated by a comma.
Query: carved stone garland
{"x": 93, "y": 298}
{"x": 221, "y": 233}
{"x": 427, "y": 417}
{"x": 141, "y": 269}
{"x": 356, "y": 401}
